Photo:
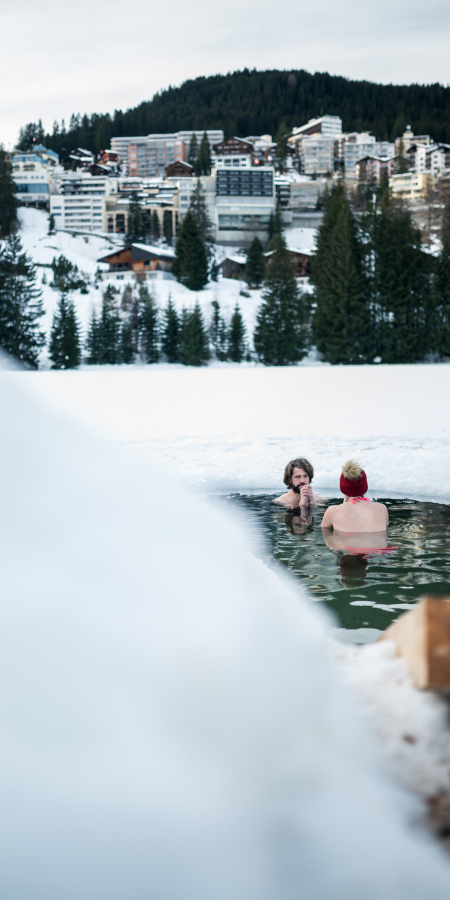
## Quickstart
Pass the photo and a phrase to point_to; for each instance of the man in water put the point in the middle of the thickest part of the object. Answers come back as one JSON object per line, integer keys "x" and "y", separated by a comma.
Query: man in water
{"x": 357, "y": 514}
{"x": 298, "y": 476}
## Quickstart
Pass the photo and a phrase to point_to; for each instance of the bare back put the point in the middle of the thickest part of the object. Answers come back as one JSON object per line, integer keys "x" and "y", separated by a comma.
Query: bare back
{"x": 359, "y": 516}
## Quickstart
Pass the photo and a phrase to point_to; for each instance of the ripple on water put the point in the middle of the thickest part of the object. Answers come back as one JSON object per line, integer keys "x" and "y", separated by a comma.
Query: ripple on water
{"x": 366, "y": 591}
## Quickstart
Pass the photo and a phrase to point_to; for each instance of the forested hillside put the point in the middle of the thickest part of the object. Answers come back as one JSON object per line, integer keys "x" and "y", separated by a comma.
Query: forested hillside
{"x": 251, "y": 102}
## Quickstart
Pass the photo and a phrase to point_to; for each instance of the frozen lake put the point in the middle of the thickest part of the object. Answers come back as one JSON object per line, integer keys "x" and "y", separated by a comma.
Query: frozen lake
{"x": 231, "y": 428}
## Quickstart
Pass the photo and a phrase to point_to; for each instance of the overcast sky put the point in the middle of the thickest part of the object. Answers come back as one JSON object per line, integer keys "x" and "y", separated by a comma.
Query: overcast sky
{"x": 58, "y": 58}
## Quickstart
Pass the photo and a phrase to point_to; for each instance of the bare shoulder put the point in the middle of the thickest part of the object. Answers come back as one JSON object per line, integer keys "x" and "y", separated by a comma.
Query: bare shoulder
{"x": 327, "y": 521}
{"x": 283, "y": 500}
{"x": 319, "y": 499}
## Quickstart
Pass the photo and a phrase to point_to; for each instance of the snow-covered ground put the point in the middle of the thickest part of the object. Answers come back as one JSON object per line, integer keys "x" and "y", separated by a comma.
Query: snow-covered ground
{"x": 172, "y": 721}
{"x": 85, "y": 250}
{"x": 226, "y": 428}
{"x": 220, "y": 428}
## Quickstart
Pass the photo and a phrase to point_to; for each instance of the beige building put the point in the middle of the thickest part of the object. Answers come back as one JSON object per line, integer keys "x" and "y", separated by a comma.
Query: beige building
{"x": 411, "y": 186}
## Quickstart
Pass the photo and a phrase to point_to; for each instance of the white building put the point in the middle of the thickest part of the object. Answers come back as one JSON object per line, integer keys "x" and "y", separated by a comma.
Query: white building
{"x": 80, "y": 203}
{"x": 432, "y": 158}
{"x": 325, "y": 125}
{"x": 317, "y": 154}
{"x": 33, "y": 173}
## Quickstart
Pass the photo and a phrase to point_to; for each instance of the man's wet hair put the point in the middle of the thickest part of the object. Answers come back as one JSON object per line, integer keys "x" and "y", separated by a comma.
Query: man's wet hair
{"x": 299, "y": 463}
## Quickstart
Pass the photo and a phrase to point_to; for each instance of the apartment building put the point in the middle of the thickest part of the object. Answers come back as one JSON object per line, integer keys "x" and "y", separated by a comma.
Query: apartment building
{"x": 359, "y": 145}
{"x": 412, "y": 186}
{"x": 316, "y": 152}
{"x": 244, "y": 201}
{"x": 327, "y": 126}
{"x": 80, "y": 203}
{"x": 33, "y": 173}
{"x": 149, "y": 155}
{"x": 432, "y": 158}
{"x": 372, "y": 168}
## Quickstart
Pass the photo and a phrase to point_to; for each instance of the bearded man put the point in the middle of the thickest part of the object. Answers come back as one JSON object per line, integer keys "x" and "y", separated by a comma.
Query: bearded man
{"x": 298, "y": 476}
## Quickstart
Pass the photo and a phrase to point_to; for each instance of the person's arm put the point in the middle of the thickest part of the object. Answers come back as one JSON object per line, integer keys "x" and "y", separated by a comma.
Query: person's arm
{"x": 306, "y": 495}
{"x": 327, "y": 521}
{"x": 319, "y": 499}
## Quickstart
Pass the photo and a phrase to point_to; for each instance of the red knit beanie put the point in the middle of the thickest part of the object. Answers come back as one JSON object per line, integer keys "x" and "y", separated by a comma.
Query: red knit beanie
{"x": 356, "y": 486}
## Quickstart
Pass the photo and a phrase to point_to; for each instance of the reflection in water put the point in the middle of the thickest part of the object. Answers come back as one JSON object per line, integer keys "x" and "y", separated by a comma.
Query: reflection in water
{"x": 353, "y": 568}
{"x": 366, "y": 579}
{"x": 297, "y": 521}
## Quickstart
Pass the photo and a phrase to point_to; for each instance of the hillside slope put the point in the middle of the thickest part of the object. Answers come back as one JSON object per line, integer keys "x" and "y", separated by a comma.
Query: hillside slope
{"x": 251, "y": 102}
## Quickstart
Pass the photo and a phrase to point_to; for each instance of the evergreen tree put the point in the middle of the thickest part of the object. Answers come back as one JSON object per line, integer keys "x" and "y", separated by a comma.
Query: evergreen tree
{"x": 127, "y": 352}
{"x": 149, "y": 325}
{"x": 168, "y": 226}
{"x": 194, "y": 350}
{"x": 20, "y": 304}
{"x": 236, "y": 342}
{"x": 190, "y": 266}
{"x": 156, "y": 228}
{"x": 109, "y": 328}
{"x": 67, "y": 277}
{"x": 283, "y": 133}
{"x": 279, "y": 336}
{"x": 170, "y": 338}
{"x": 401, "y": 286}
{"x": 93, "y": 341}
{"x": 203, "y": 222}
{"x": 51, "y": 223}
{"x": 218, "y": 333}
{"x": 254, "y": 268}
{"x": 135, "y": 323}
{"x": 135, "y": 224}
{"x": 127, "y": 298}
{"x": 30, "y": 135}
{"x": 215, "y": 270}
{"x": 8, "y": 202}
{"x": 204, "y": 156}
{"x": 442, "y": 344}
{"x": 193, "y": 150}
{"x": 276, "y": 227}
{"x": 342, "y": 324}
{"x": 65, "y": 347}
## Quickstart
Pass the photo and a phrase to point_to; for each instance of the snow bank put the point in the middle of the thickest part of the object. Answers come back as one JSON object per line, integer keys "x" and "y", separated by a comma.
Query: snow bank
{"x": 232, "y": 428}
{"x": 412, "y": 726}
{"x": 172, "y": 724}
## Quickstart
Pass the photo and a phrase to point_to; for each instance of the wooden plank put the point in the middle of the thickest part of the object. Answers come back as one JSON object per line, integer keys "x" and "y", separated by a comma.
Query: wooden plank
{"x": 422, "y": 638}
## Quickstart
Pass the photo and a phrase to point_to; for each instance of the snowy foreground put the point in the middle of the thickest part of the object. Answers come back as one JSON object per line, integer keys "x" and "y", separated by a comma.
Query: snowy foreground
{"x": 174, "y": 724}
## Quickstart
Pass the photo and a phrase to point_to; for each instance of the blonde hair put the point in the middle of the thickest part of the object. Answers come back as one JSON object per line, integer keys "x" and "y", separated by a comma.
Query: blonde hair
{"x": 351, "y": 470}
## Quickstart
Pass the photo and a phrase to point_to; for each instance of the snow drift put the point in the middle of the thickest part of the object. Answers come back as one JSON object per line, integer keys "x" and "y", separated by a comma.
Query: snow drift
{"x": 172, "y": 721}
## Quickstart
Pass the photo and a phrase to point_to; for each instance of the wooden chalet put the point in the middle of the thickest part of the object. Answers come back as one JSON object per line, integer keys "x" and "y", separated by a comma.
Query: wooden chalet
{"x": 78, "y": 159}
{"x": 233, "y": 147}
{"x": 179, "y": 169}
{"x": 301, "y": 262}
{"x": 140, "y": 259}
{"x": 234, "y": 267}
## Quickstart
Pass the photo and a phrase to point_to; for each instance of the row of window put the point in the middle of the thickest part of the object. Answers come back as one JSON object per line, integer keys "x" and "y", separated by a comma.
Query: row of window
{"x": 32, "y": 188}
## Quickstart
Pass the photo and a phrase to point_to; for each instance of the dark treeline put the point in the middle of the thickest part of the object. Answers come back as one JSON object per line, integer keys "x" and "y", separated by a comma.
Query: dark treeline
{"x": 379, "y": 296}
{"x": 251, "y": 102}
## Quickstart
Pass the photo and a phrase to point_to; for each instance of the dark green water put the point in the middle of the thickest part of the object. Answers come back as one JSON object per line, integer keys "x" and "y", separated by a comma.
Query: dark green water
{"x": 364, "y": 590}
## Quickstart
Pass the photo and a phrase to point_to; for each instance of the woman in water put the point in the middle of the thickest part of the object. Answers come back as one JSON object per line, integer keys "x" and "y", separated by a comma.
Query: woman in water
{"x": 357, "y": 514}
